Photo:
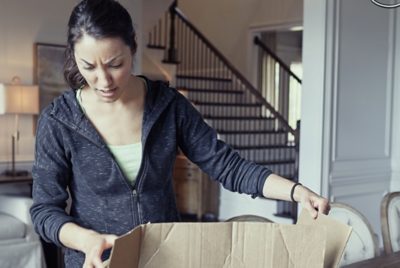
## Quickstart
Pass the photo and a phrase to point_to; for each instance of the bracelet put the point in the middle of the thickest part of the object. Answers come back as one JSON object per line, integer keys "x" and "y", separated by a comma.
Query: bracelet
{"x": 292, "y": 191}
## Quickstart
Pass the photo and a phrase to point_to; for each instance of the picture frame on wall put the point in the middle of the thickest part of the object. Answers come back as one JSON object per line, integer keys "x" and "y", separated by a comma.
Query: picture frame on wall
{"x": 48, "y": 72}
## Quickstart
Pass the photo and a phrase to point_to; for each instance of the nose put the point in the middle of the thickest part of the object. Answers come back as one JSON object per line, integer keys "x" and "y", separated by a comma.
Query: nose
{"x": 104, "y": 79}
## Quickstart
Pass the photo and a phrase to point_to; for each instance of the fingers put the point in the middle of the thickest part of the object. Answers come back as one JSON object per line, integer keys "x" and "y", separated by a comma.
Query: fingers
{"x": 110, "y": 240}
{"x": 93, "y": 258}
{"x": 310, "y": 208}
{"x": 324, "y": 206}
{"x": 317, "y": 205}
{"x": 97, "y": 263}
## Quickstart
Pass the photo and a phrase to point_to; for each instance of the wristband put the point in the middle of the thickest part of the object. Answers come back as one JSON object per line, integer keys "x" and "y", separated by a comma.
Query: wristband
{"x": 292, "y": 191}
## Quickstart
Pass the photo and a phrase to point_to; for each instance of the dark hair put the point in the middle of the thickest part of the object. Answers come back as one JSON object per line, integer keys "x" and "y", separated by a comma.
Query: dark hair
{"x": 99, "y": 19}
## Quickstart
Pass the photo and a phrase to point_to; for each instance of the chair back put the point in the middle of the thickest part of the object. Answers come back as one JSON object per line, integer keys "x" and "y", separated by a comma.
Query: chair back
{"x": 363, "y": 242}
{"x": 249, "y": 217}
{"x": 390, "y": 222}
{"x": 20, "y": 246}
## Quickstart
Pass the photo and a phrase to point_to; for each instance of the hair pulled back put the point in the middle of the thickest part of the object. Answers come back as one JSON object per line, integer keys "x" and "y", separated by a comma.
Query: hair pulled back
{"x": 98, "y": 19}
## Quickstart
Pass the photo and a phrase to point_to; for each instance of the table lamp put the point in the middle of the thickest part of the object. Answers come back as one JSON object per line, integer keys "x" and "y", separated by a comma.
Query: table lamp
{"x": 18, "y": 99}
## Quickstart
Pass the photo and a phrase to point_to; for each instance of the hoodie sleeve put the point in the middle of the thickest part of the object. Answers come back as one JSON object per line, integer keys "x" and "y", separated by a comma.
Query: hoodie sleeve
{"x": 51, "y": 172}
{"x": 199, "y": 142}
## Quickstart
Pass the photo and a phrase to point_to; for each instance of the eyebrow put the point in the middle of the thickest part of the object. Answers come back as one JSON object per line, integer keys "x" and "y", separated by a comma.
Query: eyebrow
{"x": 107, "y": 62}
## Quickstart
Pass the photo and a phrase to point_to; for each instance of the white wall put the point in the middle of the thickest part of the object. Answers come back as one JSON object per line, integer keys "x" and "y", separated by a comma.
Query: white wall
{"x": 22, "y": 23}
{"x": 346, "y": 145}
{"x": 227, "y": 23}
{"x": 153, "y": 10}
{"x": 152, "y": 65}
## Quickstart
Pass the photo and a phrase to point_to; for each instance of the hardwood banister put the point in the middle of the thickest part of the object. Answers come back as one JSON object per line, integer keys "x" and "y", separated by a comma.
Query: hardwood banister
{"x": 244, "y": 80}
{"x": 250, "y": 122}
{"x": 258, "y": 42}
{"x": 172, "y": 53}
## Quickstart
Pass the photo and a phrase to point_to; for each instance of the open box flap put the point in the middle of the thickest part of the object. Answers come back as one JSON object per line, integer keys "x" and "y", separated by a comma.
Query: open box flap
{"x": 337, "y": 236}
{"x": 126, "y": 250}
{"x": 233, "y": 244}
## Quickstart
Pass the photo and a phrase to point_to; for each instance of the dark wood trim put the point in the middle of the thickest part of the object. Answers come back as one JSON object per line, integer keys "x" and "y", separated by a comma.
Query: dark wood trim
{"x": 263, "y": 147}
{"x": 244, "y": 80}
{"x": 232, "y": 104}
{"x": 227, "y": 132}
{"x": 208, "y": 78}
{"x": 246, "y": 118}
{"x": 391, "y": 260}
{"x": 16, "y": 179}
{"x": 224, "y": 91}
{"x": 387, "y": 245}
{"x": 264, "y": 47}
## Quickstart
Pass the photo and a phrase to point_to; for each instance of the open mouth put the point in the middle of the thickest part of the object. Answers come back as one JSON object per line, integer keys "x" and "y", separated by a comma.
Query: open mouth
{"x": 107, "y": 92}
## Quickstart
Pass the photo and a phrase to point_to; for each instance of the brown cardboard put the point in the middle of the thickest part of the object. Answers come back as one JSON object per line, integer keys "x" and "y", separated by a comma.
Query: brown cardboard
{"x": 220, "y": 245}
{"x": 337, "y": 236}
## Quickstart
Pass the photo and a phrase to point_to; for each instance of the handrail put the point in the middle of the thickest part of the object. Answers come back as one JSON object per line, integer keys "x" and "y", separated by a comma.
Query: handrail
{"x": 258, "y": 42}
{"x": 172, "y": 55}
{"x": 252, "y": 89}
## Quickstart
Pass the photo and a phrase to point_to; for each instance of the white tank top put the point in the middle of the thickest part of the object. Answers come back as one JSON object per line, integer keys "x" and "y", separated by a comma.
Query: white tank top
{"x": 128, "y": 157}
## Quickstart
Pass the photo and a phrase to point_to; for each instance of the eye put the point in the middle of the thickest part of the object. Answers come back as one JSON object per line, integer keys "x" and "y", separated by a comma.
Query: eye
{"x": 87, "y": 67}
{"x": 115, "y": 66}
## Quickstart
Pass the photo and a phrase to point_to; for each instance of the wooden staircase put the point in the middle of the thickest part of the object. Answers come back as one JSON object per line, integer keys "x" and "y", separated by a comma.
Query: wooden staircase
{"x": 228, "y": 102}
{"x": 240, "y": 123}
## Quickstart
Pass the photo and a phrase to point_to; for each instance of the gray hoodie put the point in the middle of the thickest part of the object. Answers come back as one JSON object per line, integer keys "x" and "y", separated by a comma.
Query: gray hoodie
{"x": 71, "y": 154}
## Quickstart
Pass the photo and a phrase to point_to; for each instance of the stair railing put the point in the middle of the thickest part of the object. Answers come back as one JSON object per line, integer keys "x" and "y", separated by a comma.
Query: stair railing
{"x": 172, "y": 55}
{"x": 196, "y": 53}
{"x": 278, "y": 83}
{"x": 199, "y": 58}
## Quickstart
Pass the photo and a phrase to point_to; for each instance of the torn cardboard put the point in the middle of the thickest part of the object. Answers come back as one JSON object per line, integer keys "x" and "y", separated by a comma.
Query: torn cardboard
{"x": 235, "y": 244}
{"x": 337, "y": 236}
{"x": 222, "y": 245}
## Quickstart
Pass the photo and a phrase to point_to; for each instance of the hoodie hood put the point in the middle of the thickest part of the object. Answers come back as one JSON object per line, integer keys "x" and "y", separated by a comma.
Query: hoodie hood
{"x": 67, "y": 110}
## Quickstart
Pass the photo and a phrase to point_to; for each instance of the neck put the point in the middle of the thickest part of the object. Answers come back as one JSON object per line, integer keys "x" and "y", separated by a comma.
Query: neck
{"x": 132, "y": 95}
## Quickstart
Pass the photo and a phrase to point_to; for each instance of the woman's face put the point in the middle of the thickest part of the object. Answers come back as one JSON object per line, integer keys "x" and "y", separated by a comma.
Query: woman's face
{"x": 105, "y": 64}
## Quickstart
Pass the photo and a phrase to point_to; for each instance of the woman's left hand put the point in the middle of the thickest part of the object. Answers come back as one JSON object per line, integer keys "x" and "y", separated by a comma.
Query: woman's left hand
{"x": 310, "y": 201}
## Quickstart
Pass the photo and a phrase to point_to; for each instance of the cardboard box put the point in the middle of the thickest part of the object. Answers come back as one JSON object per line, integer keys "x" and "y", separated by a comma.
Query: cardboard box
{"x": 337, "y": 235}
{"x": 231, "y": 244}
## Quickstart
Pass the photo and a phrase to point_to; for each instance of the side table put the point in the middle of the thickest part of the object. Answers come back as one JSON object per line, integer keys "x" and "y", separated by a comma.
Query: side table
{"x": 16, "y": 179}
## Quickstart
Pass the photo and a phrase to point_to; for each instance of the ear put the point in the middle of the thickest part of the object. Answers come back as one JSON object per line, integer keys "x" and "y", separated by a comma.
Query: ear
{"x": 134, "y": 44}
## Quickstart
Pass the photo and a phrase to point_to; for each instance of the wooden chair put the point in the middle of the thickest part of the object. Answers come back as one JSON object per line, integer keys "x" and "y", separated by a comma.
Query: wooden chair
{"x": 249, "y": 217}
{"x": 390, "y": 222}
{"x": 363, "y": 242}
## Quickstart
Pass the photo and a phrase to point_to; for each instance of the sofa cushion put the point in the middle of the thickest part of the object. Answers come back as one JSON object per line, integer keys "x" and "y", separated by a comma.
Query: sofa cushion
{"x": 11, "y": 227}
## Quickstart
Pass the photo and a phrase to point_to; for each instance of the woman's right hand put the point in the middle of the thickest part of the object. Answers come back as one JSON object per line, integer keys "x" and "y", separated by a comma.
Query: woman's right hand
{"x": 91, "y": 243}
{"x": 94, "y": 246}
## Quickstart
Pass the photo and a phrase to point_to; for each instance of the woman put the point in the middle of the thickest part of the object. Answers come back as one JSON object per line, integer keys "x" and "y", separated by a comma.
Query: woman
{"x": 112, "y": 141}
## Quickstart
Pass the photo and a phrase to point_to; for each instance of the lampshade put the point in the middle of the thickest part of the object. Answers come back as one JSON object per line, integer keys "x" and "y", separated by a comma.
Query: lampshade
{"x": 19, "y": 99}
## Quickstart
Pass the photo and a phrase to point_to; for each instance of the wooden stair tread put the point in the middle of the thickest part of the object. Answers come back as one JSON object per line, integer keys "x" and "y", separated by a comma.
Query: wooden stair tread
{"x": 156, "y": 47}
{"x": 211, "y": 117}
{"x": 227, "y": 132}
{"x": 203, "y": 78}
{"x": 276, "y": 162}
{"x": 227, "y": 104}
{"x": 225, "y": 91}
{"x": 264, "y": 147}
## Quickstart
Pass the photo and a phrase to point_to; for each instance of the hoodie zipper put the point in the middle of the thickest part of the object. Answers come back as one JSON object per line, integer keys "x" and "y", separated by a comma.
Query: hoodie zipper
{"x": 136, "y": 214}
{"x": 136, "y": 220}
{"x": 135, "y": 189}
{"x": 143, "y": 169}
